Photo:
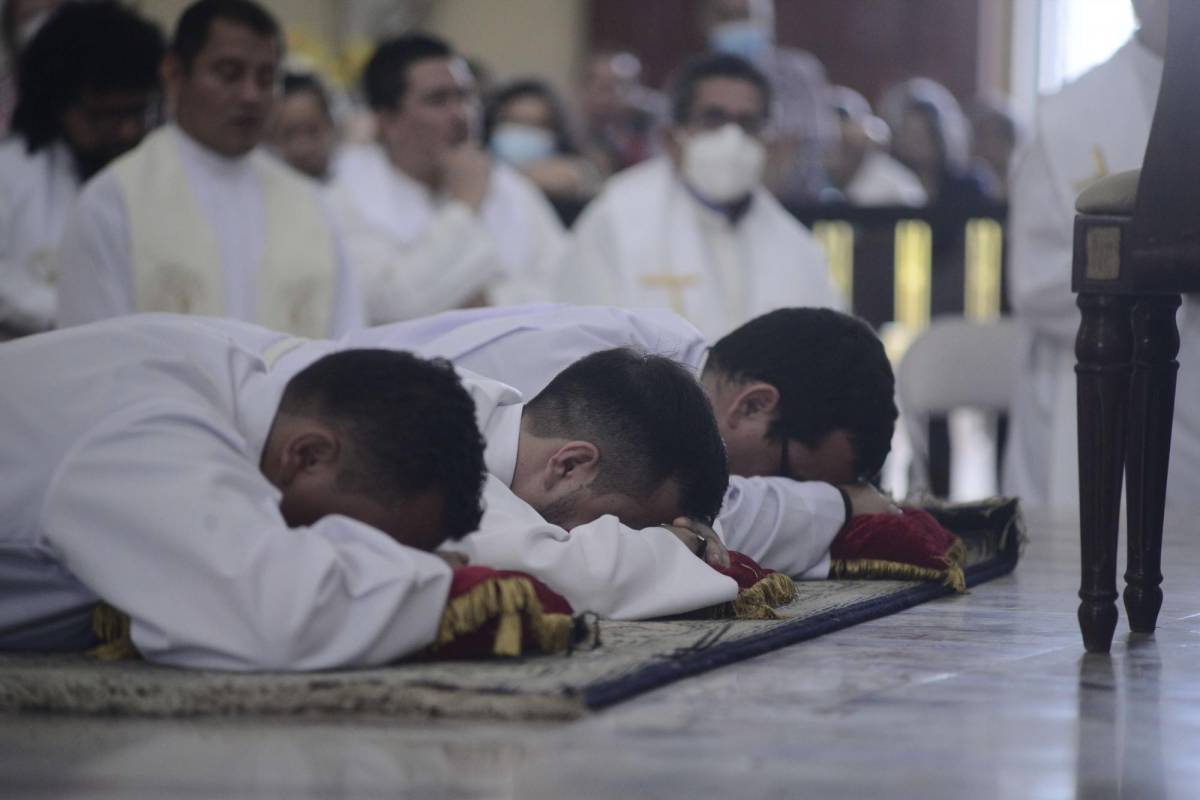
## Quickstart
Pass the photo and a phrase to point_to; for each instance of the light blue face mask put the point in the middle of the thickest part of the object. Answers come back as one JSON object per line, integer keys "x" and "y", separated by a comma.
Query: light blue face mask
{"x": 521, "y": 145}
{"x": 742, "y": 37}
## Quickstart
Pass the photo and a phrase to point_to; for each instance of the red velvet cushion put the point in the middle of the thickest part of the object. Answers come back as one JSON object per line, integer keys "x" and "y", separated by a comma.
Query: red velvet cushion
{"x": 912, "y": 537}
{"x": 544, "y": 615}
{"x": 744, "y": 570}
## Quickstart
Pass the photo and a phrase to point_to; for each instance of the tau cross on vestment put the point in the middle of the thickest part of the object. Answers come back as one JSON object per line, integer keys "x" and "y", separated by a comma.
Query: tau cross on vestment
{"x": 674, "y": 284}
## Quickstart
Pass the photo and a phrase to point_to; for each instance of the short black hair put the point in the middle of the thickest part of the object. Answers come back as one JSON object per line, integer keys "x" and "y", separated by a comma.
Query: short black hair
{"x": 99, "y": 47}
{"x": 831, "y": 372}
{"x": 713, "y": 65}
{"x": 649, "y": 418}
{"x": 307, "y": 83}
{"x": 564, "y": 142}
{"x": 191, "y": 33}
{"x": 384, "y": 80}
{"x": 410, "y": 424}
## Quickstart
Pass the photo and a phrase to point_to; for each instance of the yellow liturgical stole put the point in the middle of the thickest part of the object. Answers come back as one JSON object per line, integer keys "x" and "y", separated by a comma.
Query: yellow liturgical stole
{"x": 176, "y": 254}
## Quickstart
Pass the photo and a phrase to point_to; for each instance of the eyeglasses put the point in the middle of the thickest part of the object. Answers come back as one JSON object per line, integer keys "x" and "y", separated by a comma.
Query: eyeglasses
{"x": 712, "y": 119}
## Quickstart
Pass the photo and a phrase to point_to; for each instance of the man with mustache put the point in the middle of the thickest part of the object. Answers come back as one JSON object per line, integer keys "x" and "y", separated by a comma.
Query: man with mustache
{"x": 431, "y": 222}
{"x": 197, "y": 220}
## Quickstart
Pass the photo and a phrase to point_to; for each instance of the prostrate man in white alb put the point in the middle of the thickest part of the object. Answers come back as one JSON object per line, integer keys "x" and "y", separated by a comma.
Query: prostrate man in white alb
{"x": 804, "y": 400}
{"x": 256, "y": 503}
{"x": 603, "y": 485}
{"x": 695, "y": 231}
{"x": 1095, "y": 126}
{"x": 84, "y": 100}
{"x": 431, "y": 222}
{"x": 197, "y": 219}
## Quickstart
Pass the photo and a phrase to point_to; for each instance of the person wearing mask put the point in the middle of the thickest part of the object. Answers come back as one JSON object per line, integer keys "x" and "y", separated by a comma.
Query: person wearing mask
{"x": 801, "y": 126}
{"x": 85, "y": 100}
{"x": 695, "y": 231}
{"x": 525, "y": 125}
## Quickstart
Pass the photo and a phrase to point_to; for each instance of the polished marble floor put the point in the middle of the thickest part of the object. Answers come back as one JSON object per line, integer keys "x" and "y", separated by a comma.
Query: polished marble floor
{"x": 983, "y": 696}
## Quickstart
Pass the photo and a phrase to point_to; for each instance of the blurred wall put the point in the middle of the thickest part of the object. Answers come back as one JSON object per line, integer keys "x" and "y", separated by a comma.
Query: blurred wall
{"x": 866, "y": 44}
{"x": 511, "y": 37}
{"x": 516, "y": 37}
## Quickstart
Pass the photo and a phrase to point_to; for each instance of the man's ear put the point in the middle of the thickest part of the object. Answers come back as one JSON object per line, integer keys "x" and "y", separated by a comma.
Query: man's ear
{"x": 755, "y": 402}
{"x": 307, "y": 452}
{"x": 575, "y": 462}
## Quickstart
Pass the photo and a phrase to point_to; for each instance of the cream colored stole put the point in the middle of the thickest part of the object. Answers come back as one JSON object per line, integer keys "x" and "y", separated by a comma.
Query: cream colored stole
{"x": 177, "y": 257}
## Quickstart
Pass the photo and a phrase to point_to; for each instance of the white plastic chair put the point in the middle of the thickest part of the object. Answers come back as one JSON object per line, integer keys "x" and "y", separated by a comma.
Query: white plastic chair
{"x": 954, "y": 364}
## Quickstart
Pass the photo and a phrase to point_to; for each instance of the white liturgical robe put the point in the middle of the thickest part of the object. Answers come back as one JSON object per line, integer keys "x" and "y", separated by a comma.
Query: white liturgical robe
{"x": 173, "y": 226}
{"x": 784, "y": 525}
{"x": 602, "y": 566}
{"x": 647, "y": 242}
{"x": 129, "y": 471}
{"x": 418, "y": 253}
{"x": 1096, "y": 126}
{"x": 36, "y": 193}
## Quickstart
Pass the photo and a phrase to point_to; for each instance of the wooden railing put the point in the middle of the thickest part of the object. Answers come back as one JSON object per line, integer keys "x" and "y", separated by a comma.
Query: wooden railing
{"x": 905, "y": 264}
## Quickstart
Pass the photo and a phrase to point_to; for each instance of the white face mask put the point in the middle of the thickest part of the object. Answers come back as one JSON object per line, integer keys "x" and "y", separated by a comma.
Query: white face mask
{"x": 746, "y": 38}
{"x": 723, "y": 165}
{"x": 521, "y": 145}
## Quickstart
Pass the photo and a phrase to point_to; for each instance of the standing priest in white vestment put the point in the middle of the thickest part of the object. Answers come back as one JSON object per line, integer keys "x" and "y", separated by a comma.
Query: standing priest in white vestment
{"x": 248, "y": 500}
{"x": 432, "y": 223}
{"x": 817, "y": 379}
{"x": 197, "y": 219}
{"x": 85, "y": 98}
{"x": 1093, "y": 127}
{"x": 695, "y": 231}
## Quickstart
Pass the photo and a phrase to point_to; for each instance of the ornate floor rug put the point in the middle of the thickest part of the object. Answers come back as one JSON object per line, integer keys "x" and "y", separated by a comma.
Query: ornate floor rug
{"x": 630, "y": 657}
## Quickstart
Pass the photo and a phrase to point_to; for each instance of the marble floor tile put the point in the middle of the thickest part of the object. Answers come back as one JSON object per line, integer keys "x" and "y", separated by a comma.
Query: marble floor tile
{"x": 986, "y": 695}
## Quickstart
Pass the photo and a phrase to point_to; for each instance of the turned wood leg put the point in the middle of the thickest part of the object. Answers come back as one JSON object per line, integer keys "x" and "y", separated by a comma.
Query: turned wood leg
{"x": 1151, "y": 411}
{"x": 1103, "y": 350}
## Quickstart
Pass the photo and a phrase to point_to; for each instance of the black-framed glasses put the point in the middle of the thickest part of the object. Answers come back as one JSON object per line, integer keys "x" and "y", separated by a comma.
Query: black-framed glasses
{"x": 712, "y": 119}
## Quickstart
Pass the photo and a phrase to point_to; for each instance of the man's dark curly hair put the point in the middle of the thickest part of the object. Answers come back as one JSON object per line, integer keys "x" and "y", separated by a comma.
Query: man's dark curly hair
{"x": 650, "y": 420}
{"x": 831, "y": 372}
{"x": 97, "y": 47}
{"x": 410, "y": 425}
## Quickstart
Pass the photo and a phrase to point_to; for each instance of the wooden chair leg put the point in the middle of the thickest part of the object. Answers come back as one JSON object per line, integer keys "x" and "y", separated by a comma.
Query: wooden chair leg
{"x": 1103, "y": 350}
{"x": 1151, "y": 411}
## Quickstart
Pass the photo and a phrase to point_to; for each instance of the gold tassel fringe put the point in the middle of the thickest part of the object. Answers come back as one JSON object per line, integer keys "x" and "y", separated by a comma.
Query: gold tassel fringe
{"x": 761, "y": 599}
{"x": 514, "y": 603}
{"x": 877, "y": 569}
{"x": 112, "y": 629}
